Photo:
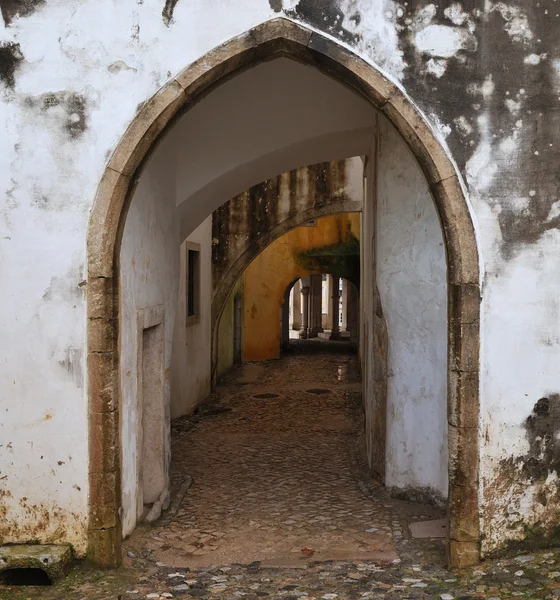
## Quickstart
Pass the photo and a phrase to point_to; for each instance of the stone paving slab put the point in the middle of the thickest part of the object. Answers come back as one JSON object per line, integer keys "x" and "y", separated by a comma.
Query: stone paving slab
{"x": 435, "y": 528}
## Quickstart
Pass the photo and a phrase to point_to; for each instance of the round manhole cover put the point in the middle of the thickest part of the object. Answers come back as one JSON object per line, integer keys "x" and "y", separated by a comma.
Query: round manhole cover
{"x": 266, "y": 396}
{"x": 318, "y": 391}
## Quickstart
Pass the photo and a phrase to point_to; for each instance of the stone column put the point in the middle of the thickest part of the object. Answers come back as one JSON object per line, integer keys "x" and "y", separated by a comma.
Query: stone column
{"x": 335, "y": 330}
{"x": 329, "y": 300}
{"x": 285, "y": 323}
{"x": 315, "y": 305}
{"x": 296, "y": 306}
{"x": 325, "y": 303}
{"x": 344, "y": 305}
{"x": 304, "y": 312}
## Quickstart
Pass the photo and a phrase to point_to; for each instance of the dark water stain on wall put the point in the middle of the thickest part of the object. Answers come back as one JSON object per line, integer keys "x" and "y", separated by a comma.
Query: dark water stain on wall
{"x": 76, "y": 107}
{"x": 68, "y": 288}
{"x": 327, "y": 16}
{"x": 72, "y": 364}
{"x": 523, "y": 105}
{"x": 542, "y": 431}
{"x": 535, "y": 174}
{"x": 23, "y": 8}
{"x": 72, "y": 117}
{"x": 537, "y": 469}
{"x": 10, "y": 59}
{"x": 447, "y": 93}
{"x": 168, "y": 11}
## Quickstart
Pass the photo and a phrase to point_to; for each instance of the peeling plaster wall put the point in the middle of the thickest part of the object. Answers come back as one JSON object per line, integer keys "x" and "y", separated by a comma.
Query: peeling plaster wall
{"x": 520, "y": 466}
{"x": 149, "y": 269}
{"x": 72, "y": 76}
{"x": 411, "y": 278}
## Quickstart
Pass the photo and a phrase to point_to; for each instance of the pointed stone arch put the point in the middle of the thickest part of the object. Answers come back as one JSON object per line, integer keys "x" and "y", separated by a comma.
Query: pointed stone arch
{"x": 273, "y": 39}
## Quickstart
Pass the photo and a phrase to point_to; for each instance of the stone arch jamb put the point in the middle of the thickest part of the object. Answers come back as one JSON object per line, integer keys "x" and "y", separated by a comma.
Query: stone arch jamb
{"x": 285, "y": 301}
{"x": 275, "y": 38}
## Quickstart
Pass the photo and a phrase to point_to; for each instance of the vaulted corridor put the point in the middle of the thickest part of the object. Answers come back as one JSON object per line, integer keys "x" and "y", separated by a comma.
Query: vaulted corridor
{"x": 275, "y": 456}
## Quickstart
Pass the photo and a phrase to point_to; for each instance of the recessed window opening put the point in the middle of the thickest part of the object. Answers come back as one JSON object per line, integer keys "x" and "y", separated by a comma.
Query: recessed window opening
{"x": 191, "y": 279}
{"x": 193, "y": 283}
{"x": 29, "y": 577}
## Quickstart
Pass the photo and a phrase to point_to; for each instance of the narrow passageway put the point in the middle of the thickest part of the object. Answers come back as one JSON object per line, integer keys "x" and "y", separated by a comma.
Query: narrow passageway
{"x": 274, "y": 468}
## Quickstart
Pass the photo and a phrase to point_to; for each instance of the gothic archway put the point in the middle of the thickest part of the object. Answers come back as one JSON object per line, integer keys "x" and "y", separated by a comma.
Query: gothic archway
{"x": 275, "y": 38}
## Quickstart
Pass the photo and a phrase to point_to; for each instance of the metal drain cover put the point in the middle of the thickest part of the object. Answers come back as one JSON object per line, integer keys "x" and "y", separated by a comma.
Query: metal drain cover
{"x": 266, "y": 396}
{"x": 436, "y": 528}
{"x": 318, "y": 391}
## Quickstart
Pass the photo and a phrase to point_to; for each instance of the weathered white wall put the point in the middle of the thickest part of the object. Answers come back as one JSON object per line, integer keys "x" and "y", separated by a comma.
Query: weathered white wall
{"x": 149, "y": 270}
{"x": 85, "y": 68}
{"x": 191, "y": 364}
{"x": 153, "y": 273}
{"x": 111, "y": 57}
{"x": 520, "y": 487}
{"x": 412, "y": 283}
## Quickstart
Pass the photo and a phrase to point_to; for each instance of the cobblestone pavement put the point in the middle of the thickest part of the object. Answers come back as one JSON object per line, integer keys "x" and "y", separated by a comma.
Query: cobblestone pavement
{"x": 274, "y": 470}
{"x": 281, "y": 507}
{"x": 528, "y": 576}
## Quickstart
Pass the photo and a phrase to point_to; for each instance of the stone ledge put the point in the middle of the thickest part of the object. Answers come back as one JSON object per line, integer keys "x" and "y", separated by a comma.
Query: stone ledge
{"x": 53, "y": 560}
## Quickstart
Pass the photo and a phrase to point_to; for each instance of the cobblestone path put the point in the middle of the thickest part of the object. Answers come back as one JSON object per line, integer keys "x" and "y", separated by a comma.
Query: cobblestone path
{"x": 274, "y": 471}
{"x": 281, "y": 507}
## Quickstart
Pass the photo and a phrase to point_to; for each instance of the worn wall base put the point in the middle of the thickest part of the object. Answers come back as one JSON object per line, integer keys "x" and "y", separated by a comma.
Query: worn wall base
{"x": 104, "y": 549}
{"x": 535, "y": 538}
{"x": 462, "y": 554}
{"x": 419, "y": 495}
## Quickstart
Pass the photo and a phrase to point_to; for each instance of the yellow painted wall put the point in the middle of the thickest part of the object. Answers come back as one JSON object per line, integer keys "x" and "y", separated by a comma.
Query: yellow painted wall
{"x": 266, "y": 278}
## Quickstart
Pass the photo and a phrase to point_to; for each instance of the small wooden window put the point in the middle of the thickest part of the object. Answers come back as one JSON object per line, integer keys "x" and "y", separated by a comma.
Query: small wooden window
{"x": 193, "y": 283}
